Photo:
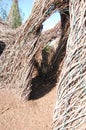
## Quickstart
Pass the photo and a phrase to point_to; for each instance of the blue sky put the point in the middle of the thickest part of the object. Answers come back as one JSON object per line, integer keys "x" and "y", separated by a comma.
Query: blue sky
{"x": 25, "y": 7}
{"x": 51, "y": 21}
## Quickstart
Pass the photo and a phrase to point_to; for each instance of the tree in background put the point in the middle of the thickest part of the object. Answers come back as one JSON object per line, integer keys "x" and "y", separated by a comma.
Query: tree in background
{"x": 14, "y": 18}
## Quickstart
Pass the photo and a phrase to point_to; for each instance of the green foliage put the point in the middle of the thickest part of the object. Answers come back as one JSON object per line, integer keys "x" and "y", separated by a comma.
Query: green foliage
{"x": 17, "y": 21}
{"x": 46, "y": 49}
{"x": 14, "y": 18}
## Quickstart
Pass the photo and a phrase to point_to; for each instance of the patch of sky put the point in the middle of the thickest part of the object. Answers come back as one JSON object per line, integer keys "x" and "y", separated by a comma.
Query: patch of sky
{"x": 51, "y": 21}
{"x": 25, "y": 8}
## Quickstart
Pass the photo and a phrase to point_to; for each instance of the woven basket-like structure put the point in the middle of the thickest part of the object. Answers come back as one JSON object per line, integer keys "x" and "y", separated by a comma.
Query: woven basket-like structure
{"x": 70, "y": 109}
{"x": 17, "y": 61}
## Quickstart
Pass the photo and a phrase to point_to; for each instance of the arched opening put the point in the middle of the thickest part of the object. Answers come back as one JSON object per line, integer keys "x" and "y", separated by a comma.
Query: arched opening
{"x": 43, "y": 83}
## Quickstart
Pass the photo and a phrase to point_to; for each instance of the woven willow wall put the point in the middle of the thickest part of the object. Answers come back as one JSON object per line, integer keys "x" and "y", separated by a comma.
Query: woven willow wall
{"x": 70, "y": 109}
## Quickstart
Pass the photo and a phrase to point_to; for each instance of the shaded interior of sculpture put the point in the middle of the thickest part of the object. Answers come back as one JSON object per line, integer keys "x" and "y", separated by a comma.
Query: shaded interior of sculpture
{"x": 2, "y": 47}
{"x": 49, "y": 69}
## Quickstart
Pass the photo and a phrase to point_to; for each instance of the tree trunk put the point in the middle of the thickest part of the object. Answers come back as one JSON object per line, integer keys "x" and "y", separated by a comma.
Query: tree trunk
{"x": 70, "y": 109}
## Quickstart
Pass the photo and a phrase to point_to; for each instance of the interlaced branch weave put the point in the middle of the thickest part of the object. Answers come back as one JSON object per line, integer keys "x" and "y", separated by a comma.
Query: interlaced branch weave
{"x": 70, "y": 109}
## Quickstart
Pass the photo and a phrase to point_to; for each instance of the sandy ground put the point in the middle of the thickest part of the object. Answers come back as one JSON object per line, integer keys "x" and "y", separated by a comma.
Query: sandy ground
{"x": 16, "y": 114}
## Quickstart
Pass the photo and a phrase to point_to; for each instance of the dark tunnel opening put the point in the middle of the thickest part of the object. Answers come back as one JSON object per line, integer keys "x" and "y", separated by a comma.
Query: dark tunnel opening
{"x": 43, "y": 83}
{"x": 2, "y": 47}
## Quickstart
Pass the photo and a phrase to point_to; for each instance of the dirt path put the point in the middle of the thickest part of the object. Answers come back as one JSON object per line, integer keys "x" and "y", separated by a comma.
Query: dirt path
{"x": 32, "y": 115}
